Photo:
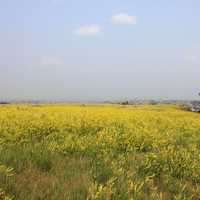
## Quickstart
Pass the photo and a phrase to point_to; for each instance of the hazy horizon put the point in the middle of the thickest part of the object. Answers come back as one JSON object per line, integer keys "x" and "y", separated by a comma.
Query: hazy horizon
{"x": 64, "y": 50}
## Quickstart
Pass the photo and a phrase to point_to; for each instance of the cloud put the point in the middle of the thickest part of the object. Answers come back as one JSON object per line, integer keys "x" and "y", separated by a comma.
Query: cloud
{"x": 194, "y": 59}
{"x": 88, "y": 30}
{"x": 47, "y": 61}
{"x": 192, "y": 55}
{"x": 123, "y": 18}
{"x": 56, "y": 1}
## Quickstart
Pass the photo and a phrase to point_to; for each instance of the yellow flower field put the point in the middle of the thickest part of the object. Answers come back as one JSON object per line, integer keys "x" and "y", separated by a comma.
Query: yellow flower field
{"x": 72, "y": 151}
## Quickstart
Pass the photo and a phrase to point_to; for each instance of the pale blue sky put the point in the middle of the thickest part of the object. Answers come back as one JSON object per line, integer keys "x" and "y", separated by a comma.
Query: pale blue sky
{"x": 99, "y": 50}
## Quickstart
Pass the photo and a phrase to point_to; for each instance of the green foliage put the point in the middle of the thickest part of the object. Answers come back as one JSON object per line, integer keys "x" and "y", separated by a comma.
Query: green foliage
{"x": 5, "y": 173}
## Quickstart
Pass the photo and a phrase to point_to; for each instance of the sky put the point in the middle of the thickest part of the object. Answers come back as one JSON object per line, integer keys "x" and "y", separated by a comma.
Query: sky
{"x": 96, "y": 50}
